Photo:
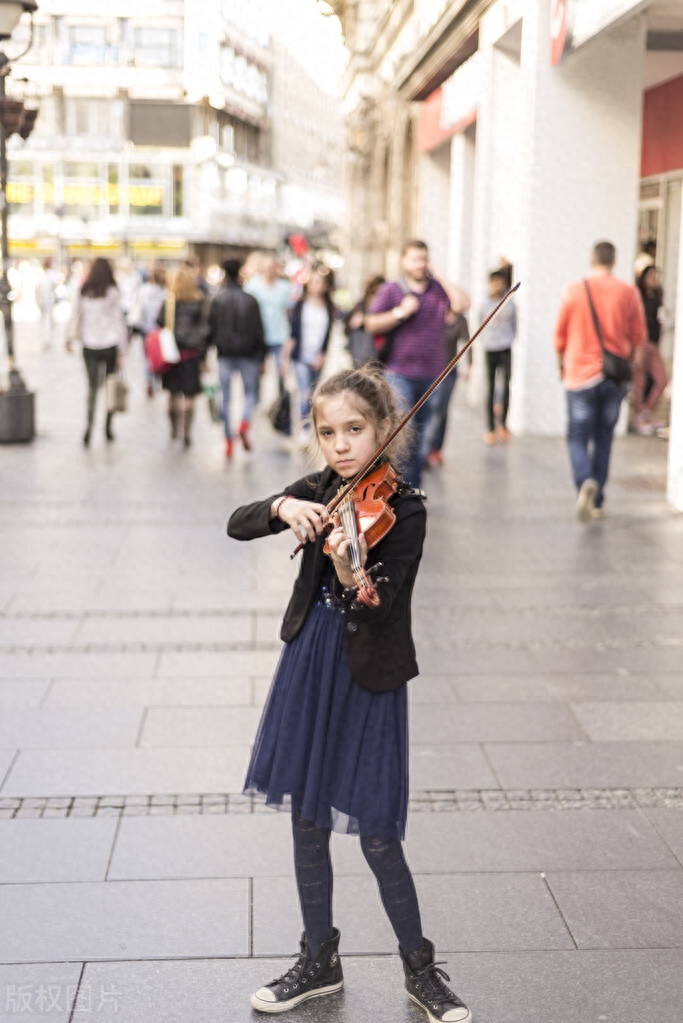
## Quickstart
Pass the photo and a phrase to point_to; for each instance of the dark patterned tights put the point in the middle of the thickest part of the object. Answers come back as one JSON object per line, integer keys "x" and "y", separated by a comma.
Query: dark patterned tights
{"x": 313, "y": 869}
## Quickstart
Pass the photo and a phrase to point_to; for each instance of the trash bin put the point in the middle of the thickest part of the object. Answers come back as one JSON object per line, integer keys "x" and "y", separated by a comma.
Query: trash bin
{"x": 17, "y": 417}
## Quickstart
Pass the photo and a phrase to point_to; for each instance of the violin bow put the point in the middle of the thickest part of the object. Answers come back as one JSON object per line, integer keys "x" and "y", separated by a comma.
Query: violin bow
{"x": 346, "y": 490}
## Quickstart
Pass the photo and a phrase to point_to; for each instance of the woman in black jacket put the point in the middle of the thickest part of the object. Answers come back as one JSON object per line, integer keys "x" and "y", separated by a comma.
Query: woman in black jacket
{"x": 332, "y": 743}
{"x": 189, "y": 324}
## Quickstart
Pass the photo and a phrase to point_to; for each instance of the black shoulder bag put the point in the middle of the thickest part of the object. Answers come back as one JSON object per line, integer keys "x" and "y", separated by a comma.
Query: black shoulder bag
{"x": 614, "y": 367}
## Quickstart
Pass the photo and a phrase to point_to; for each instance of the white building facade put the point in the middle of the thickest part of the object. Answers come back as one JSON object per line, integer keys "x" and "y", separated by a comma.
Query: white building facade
{"x": 528, "y": 130}
{"x": 155, "y": 132}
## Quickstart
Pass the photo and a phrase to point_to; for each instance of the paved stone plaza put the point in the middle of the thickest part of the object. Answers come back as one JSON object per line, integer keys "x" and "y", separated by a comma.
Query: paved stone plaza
{"x": 136, "y": 647}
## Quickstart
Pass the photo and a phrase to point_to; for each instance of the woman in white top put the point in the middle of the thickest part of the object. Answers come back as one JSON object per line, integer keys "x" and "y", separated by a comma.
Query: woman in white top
{"x": 311, "y": 320}
{"x": 97, "y": 320}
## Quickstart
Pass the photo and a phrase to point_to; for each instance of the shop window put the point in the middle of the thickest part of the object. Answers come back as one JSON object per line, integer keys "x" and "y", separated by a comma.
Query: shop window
{"x": 158, "y": 47}
{"x": 92, "y": 117}
{"x": 20, "y": 187}
{"x": 146, "y": 190}
{"x": 87, "y": 45}
{"x": 82, "y": 190}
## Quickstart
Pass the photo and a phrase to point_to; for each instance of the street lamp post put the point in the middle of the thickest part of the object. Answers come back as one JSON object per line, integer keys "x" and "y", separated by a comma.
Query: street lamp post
{"x": 17, "y": 420}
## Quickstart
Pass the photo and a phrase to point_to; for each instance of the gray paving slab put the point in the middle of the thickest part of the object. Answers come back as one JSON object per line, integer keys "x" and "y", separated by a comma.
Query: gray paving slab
{"x": 78, "y": 664}
{"x": 462, "y": 765}
{"x": 199, "y": 726}
{"x": 77, "y": 728}
{"x": 431, "y": 689}
{"x": 669, "y": 824}
{"x": 527, "y": 840}
{"x": 670, "y": 685}
{"x": 36, "y": 989}
{"x": 537, "y": 987}
{"x": 23, "y": 692}
{"x": 132, "y": 771}
{"x": 55, "y": 850}
{"x": 217, "y": 664}
{"x": 587, "y": 765}
{"x": 661, "y": 623}
{"x": 268, "y": 626}
{"x": 621, "y": 909}
{"x": 156, "y": 629}
{"x": 460, "y": 913}
{"x": 480, "y": 660}
{"x": 566, "y": 688}
{"x": 607, "y": 721}
{"x": 234, "y": 845}
{"x": 122, "y": 920}
{"x": 506, "y": 625}
{"x": 147, "y": 692}
{"x": 502, "y": 722}
{"x": 6, "y": 759}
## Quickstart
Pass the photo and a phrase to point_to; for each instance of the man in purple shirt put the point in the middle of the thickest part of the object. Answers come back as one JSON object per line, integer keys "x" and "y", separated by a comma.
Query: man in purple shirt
{"x": 416, "y": 309}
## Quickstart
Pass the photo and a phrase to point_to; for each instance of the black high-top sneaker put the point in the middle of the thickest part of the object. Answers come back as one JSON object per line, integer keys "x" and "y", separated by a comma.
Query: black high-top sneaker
{"x": 308, "y": 978}
{"x": 425, "y": 985}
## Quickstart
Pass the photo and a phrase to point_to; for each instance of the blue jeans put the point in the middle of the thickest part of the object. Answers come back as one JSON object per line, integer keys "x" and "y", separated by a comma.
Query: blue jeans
{"x": 409, "y": 393}
{"x": 593, "y": 414}
{"x": 306, "y": 378}
{"x": 250, "y": 371}
{"x": 437, "y": 427}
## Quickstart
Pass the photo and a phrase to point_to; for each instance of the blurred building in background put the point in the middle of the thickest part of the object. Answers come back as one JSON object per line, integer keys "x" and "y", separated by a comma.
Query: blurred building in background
{"x": 156, "y": 133}
{"x": 523, "y": 129}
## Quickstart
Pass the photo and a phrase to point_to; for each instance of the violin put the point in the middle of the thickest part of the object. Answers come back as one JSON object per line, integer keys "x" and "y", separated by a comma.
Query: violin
{"x": 361, "y": 506}
{"x": 366, "y": 509}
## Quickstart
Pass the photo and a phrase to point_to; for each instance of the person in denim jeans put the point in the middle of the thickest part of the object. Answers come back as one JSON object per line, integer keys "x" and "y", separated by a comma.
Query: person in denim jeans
{"x": 236, "y": 329}
{"x": 593, "y": 401}
{"x": 415, "y": 311}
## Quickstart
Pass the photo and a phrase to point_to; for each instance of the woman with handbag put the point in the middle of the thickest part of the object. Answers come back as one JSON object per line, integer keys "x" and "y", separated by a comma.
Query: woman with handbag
{"x": 97, "y": 320}
{"x": 186, "y": 315}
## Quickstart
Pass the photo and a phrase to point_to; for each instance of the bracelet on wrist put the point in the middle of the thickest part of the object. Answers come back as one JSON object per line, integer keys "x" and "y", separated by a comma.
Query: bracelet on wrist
{"x": 280, "y": 503}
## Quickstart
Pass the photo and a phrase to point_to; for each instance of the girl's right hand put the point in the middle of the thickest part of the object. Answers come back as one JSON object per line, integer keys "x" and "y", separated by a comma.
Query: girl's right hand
{"x": 306, "y": 518}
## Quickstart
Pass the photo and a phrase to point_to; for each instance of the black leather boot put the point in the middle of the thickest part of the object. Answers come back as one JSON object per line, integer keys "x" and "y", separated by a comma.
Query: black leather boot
{"x": 109, "y": 433}
{"x": 425, "y": 985}
{"x": 308, "y": 978}
{"x": 173, "y": 416}
{"x": 187, "y": 426}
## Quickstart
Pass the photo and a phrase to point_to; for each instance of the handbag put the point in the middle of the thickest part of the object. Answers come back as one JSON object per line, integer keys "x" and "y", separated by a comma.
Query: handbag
{"x": 280, "y": 412}
{"x": 117, "y": 393}
{"x": 614, "y": 367}
{"x": 161, "y": 347}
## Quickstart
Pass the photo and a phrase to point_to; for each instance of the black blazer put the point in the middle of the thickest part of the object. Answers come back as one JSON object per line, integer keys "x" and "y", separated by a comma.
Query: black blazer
{"x": 378, "y": 641}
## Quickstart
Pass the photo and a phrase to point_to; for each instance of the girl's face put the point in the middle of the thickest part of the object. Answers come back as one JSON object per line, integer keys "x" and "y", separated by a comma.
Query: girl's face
{"x": 348, "y": 439}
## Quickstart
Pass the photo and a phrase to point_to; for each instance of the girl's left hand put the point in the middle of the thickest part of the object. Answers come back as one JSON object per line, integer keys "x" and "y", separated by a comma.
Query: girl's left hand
{"x": 339, "y": 551}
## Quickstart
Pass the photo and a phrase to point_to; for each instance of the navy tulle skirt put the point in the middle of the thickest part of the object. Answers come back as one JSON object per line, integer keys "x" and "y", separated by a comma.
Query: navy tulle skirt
{"x": 326, "y": 747}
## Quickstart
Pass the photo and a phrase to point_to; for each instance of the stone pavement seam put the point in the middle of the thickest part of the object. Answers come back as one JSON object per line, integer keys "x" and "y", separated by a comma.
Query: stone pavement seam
{"x": 262, "y": 645}
{"x": 551, "y": 893}
{"x": 427, "y": 801}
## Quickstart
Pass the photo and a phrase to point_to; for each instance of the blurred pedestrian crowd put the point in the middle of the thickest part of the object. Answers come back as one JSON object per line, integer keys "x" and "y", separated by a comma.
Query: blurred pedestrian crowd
{"x": 267, "y": 323}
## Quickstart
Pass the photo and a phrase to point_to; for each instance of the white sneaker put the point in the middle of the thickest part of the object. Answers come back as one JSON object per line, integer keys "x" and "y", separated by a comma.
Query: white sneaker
{"x": 585, "y": 500}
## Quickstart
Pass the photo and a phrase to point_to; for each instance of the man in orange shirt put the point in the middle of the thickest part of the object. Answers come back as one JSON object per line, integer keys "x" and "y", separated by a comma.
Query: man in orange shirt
{"x": 593, "y": 401}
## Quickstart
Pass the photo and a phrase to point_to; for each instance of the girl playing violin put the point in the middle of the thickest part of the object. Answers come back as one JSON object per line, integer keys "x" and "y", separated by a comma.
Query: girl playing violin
{"x": 332, "y": 742}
